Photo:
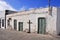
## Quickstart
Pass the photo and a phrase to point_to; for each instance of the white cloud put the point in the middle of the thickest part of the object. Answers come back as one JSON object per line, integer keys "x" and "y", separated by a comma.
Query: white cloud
{"x": 4, "y": 6}
{"x": 1, "y": 0}
{"x": 31, "y": 8}
{"x": 25, "y": 8}
{"x": 22, "y": 8}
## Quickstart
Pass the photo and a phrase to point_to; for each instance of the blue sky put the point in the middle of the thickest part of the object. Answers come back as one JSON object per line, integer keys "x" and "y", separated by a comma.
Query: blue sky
{"x": 18, "y": 4}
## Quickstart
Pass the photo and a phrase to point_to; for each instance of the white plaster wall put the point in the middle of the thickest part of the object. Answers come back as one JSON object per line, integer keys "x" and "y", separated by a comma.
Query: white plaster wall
{"x": 33, "y": 16}
{"x": 51, "y": 22}
{"x": 2, "y": 16}
{"x": 25, "y": 19}
{"x": 58, "y": 21}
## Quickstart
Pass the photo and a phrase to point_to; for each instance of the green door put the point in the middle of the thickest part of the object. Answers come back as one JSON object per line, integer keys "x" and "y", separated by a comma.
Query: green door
{"x": 20, "y": 26}
{"x": 42, "y": 25}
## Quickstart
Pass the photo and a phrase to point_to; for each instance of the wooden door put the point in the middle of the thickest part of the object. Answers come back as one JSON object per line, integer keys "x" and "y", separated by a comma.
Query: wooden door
{"x": 20, "y": 24}
{"x": 42, "y": 25}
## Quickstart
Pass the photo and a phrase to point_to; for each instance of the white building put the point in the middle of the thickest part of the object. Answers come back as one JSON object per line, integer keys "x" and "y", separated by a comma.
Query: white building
{"x": 35, "y": 21}
{"x": 4, "y": 6}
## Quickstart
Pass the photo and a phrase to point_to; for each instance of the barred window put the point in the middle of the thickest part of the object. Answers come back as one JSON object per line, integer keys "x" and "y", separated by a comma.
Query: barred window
{"x": 8, "y": 22}
{"x": 2, "y": 22}
{"x": 15, "y": 24}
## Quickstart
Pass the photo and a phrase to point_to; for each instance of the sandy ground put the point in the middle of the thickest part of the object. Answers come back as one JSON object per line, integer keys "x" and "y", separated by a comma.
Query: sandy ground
{"x": 17, "y": 35}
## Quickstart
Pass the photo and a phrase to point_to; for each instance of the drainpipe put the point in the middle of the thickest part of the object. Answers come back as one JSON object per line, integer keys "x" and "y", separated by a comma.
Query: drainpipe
{"x": 49, "y": 5}
{"x": 50, "y": 8}
{"x": 5, "y": 19}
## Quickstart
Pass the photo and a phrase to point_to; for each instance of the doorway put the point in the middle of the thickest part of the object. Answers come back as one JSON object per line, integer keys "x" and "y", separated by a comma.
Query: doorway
{"x": 15, "y": 24}
{"x": 41, "y": 25}
{"x": 20, "y": 26}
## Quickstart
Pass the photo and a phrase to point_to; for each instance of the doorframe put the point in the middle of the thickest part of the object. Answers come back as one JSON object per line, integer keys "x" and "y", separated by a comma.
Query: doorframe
{"x": 15, "y": 27}
{"x": 38, "y": 23}
{"x": 18, "y": 26}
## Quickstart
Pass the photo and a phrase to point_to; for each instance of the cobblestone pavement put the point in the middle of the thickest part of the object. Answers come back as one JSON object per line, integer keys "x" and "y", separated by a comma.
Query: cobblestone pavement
{"x": 17, "y": 35}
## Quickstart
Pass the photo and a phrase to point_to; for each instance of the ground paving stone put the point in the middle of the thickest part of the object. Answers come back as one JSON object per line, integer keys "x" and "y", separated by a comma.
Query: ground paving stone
{"x": 18, "y": 35}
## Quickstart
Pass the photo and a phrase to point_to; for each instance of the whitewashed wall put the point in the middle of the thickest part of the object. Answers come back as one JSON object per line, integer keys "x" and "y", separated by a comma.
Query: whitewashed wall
{"x": 33, "y": 16}
{"x": 58, "y": 21}
{"x": 51, "y": 22}
{"x": 2, "y": 16}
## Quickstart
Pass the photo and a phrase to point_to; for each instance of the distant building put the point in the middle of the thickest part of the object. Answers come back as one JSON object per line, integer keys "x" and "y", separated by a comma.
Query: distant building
{"x": 3, "y": 17}
{"x": 4, "y": 6}
{"x": 35, "y": 21}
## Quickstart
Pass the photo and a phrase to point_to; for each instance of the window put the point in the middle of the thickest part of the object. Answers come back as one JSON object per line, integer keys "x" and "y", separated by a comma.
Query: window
{"x": 2, "y": 22}
{"x": 15, "y": 24}
{"x": 8, "y": 22}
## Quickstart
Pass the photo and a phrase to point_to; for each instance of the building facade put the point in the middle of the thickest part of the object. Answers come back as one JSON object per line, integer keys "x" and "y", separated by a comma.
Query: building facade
{"x": 35, "y": 21}
{"x": 4, "y": 6}
{"x": 3, "y": 17}
{"x": 2, "y": 23}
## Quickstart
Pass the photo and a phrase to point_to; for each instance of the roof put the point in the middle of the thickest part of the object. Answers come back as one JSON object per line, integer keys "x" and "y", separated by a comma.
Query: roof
{"x": 9, "y": 12}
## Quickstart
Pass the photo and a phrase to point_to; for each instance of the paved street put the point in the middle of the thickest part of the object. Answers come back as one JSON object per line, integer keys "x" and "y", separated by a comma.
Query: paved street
{"x": 16, "y": 35}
